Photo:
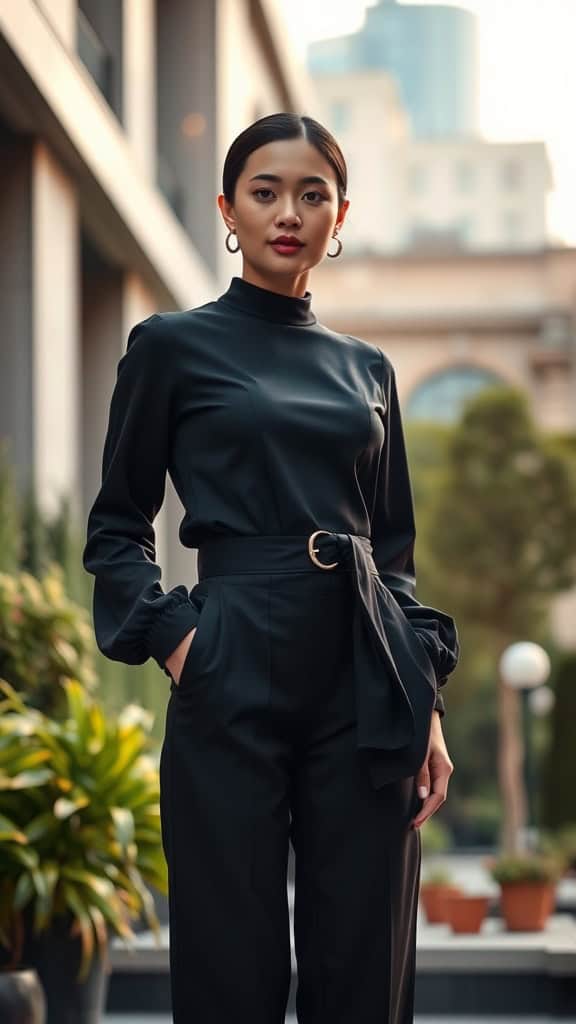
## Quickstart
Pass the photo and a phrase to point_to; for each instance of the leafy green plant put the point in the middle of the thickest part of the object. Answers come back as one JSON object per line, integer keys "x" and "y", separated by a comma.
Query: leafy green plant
{"x": 511, "y": 869}
{"x": 44, "y": 637}
{"x": 79, "y": 821}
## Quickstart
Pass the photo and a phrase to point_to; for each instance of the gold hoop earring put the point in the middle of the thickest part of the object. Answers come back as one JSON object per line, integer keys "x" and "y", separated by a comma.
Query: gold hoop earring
{"x": 227, "y": 242}
{"x": 333, "y": 255}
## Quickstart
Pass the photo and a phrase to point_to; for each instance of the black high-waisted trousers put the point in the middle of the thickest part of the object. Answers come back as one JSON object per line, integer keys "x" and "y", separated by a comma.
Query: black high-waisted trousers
{"x": 259, "y": 751}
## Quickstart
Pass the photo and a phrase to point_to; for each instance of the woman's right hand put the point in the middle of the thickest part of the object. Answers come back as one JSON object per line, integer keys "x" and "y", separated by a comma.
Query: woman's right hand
{"x": 176, "y": 660}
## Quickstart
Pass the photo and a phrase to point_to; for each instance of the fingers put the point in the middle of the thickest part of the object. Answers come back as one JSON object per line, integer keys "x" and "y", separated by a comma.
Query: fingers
{"x": 436, "y": 795}
{"x": 429, "y": 807}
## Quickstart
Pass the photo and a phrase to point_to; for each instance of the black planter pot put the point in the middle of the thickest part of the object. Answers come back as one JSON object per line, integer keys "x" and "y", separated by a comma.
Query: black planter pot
{"x": 22, "y": 998}
{"x": 56, "y": 955}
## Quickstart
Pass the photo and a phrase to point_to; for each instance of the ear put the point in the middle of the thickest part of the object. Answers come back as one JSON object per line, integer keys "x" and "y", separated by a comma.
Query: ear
{"x": 227, "y": 211}
{"x": 341, "y": 215}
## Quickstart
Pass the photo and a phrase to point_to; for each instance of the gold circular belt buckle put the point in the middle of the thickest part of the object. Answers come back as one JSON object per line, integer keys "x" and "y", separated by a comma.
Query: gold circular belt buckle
{"x": 312, "y": 551}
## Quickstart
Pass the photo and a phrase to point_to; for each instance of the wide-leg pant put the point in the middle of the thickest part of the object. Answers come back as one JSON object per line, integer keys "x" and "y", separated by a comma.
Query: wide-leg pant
{"x": 259, "y": 751}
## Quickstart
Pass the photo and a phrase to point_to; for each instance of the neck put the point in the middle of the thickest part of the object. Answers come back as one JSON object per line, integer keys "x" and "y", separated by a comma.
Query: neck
{"x": 292, "y": 285}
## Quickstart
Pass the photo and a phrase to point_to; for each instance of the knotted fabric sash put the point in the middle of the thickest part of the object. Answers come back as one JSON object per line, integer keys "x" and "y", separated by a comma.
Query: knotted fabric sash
{"x": 394, "y": 678}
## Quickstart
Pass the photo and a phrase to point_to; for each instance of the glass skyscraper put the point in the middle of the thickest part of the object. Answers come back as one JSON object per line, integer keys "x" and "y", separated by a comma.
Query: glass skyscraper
{"x": 430, "y": 51}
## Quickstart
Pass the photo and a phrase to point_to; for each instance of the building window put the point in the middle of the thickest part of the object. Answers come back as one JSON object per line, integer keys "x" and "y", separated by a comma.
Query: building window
{"x": 340, "y": 115}
{"x": 99, "y": 44}
{"x": 94, "y": 55}
{"x": 417, "y": 179}
{"x": 512, "y": 228}
{"x": 169, "y": 185}
{"x": 440, "y": 237}
{"x": 442, "y": 396}
{"x": 511, "y": 173}
{"x": 464, "y": 176}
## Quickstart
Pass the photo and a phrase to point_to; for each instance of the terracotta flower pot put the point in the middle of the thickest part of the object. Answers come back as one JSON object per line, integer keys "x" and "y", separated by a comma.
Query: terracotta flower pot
{"x": 465, "y": 914}
{"x": 526, "y": 906}
{"x": 434, "y": 900}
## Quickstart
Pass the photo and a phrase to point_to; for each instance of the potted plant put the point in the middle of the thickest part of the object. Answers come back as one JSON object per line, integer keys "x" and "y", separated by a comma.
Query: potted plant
{"x": 435, "y": 887}
{"x": 80, "y": 837}
{"x": 527, "y": 888}
{"x": 465, "y": 912}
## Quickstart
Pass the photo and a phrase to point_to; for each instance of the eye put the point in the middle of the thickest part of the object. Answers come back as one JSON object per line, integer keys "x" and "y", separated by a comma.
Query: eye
{"x": 263, "y": 193}
{"x": 320, "y": 197}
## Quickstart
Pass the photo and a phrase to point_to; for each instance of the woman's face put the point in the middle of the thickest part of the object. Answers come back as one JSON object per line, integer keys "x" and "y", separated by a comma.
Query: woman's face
{"x": 285, "y": 212}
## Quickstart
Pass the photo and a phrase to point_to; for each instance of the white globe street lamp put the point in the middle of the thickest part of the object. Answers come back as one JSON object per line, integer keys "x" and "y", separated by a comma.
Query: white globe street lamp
{"x": 525, "y": 666}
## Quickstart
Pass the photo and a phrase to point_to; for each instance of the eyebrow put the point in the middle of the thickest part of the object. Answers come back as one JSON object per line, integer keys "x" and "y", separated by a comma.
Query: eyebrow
{"x": 311, "y": 179}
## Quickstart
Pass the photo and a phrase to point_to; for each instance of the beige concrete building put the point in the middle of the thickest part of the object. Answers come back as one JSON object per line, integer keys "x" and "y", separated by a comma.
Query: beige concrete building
{"x": 114, "y": 122}
{"x": 461, "y": 193}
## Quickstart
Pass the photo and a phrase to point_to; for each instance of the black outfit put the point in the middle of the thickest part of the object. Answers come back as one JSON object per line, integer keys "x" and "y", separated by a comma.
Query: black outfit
{"x": 303, "y": 706}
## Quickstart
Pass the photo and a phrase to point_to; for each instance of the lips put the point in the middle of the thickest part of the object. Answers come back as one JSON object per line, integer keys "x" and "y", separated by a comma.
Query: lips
{"x": 287, "y": 245}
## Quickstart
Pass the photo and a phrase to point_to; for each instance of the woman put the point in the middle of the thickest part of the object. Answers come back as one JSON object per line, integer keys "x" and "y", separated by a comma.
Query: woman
{"x": 304, "y": 674}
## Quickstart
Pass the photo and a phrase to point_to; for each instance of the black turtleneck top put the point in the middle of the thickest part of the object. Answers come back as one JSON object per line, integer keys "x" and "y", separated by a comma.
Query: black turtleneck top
{"x": 268, "y": 423}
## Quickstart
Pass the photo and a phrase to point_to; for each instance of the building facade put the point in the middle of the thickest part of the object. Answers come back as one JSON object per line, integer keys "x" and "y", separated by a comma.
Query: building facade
{"x": 114, "y": 122}
{"x": 436, "y": 194}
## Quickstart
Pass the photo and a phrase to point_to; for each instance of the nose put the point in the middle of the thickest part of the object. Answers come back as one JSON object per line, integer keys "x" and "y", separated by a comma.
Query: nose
{"x": 288, "y": 216}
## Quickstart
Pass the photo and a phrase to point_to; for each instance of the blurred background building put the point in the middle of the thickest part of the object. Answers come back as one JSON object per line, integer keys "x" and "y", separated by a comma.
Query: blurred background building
{"x": 431, "y": 52}
{"x": 431, "y": 194}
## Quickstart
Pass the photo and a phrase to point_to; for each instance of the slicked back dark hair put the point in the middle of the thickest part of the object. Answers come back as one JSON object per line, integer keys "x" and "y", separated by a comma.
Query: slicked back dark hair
{"x": 273, "y": 128}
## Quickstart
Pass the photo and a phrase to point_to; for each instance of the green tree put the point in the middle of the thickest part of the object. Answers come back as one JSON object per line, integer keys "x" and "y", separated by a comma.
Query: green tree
{"x": 501, "y": 529}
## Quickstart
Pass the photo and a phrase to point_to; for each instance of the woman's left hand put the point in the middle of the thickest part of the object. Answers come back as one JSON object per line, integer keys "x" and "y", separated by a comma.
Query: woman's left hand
{"x": 432, "y": 779}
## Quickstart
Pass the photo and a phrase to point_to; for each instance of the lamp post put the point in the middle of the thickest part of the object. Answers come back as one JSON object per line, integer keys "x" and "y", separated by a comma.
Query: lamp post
{"x": 524, "y": 667}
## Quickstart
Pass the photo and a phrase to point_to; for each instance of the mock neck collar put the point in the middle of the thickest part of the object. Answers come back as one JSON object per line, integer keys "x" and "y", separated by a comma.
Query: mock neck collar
{"x": 268, "y": 305}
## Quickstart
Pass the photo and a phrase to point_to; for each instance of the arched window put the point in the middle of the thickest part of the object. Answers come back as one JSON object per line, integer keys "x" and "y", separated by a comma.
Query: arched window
{"x": 441, "y": 396}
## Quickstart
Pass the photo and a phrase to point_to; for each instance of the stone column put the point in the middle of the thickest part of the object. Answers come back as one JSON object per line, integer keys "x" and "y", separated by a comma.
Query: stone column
{"x": 139, "y": 100}
{"x": 54, "y": 330}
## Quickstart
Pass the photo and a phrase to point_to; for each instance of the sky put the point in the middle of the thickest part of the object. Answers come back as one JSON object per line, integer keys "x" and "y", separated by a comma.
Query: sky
{"x": 527, "y": 72}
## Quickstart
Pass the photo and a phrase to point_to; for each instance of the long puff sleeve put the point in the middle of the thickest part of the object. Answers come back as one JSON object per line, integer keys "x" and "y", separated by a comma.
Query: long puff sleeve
{"x": 393, "y": 540}
{"x": 134, "y": 618}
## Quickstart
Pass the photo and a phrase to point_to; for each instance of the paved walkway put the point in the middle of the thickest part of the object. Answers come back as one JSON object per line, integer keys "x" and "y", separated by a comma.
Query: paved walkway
{"x": 149, "y": 1019}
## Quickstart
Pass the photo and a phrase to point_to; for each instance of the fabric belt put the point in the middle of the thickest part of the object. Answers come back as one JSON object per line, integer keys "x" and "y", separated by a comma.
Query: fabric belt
{"x": 394, "y": 678}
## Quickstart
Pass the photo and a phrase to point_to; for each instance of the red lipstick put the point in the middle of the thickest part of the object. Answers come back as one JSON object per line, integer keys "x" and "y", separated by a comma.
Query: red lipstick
{"x": 287, "y": 245}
